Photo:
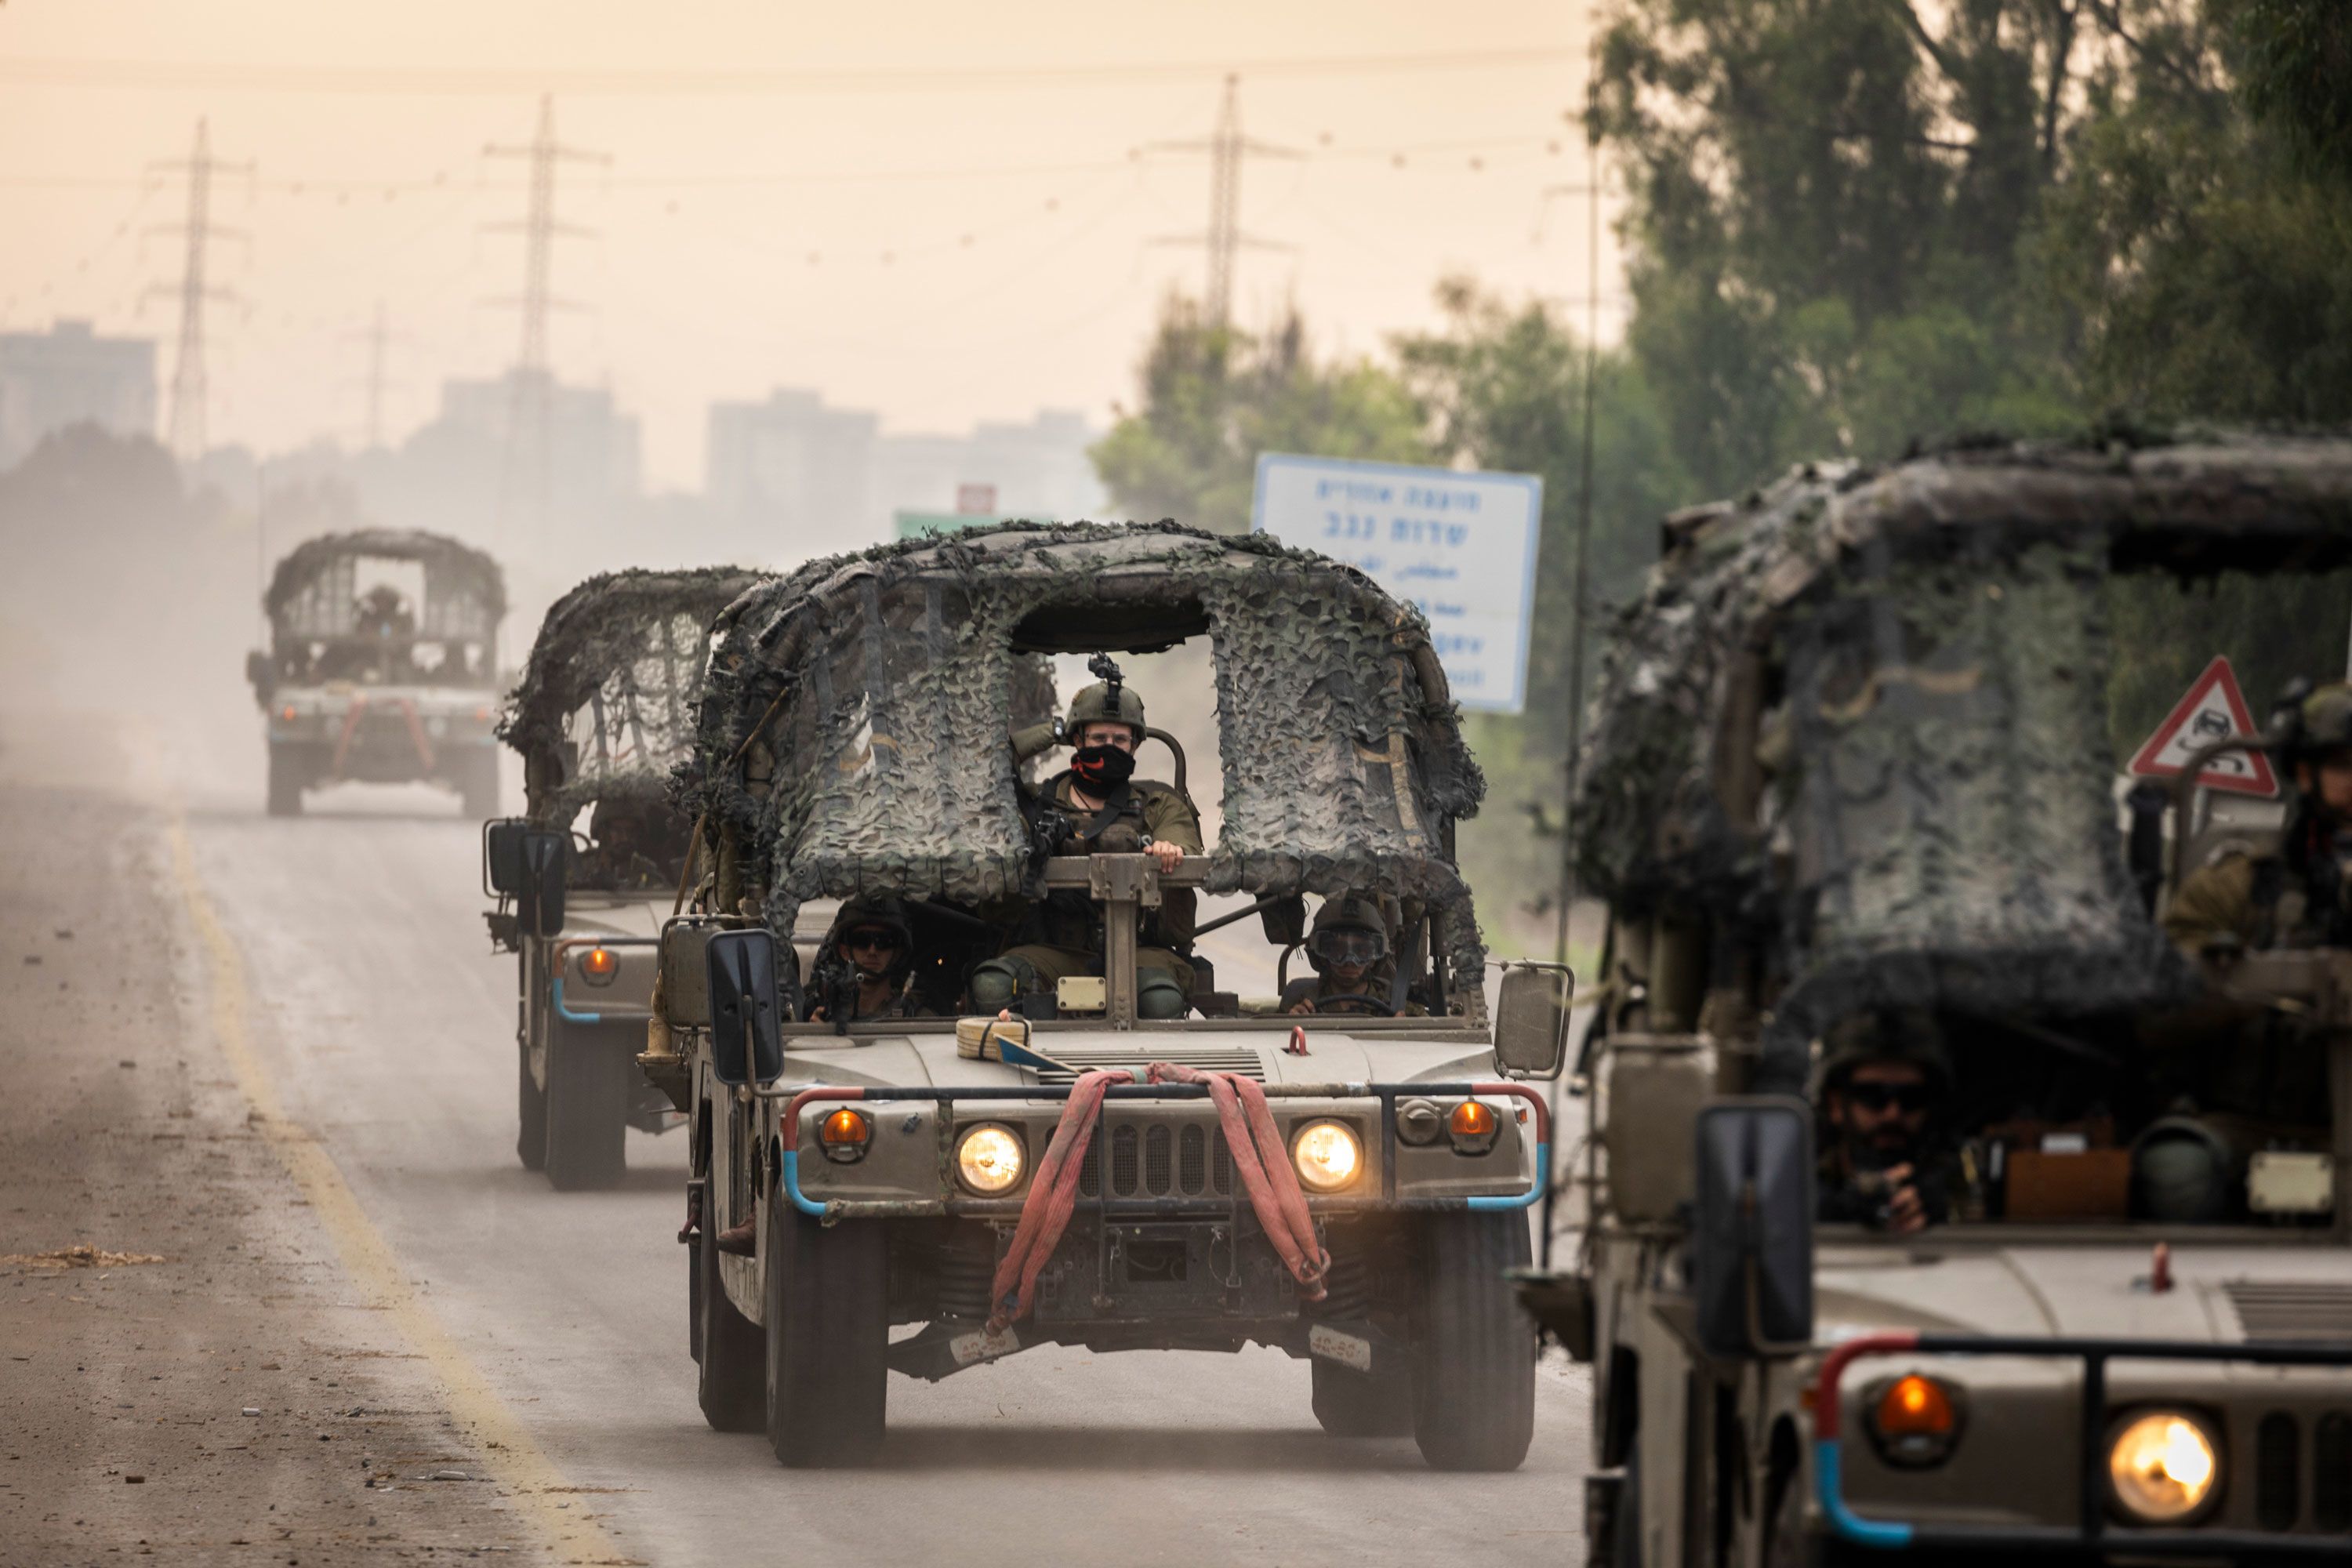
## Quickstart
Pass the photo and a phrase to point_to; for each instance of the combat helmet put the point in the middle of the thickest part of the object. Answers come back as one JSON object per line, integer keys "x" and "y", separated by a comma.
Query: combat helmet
{"x": 1340, "y": 920}
{"x": 875, "y": 909}
{"x": 1908, "y": 1034}
{"x": 2314, "y": 721}
{"x": 1109, "y": 700}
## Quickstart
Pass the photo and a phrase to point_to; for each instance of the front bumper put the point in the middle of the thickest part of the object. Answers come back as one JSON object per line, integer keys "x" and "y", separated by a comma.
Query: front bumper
{"x": 1391, "y": 1178}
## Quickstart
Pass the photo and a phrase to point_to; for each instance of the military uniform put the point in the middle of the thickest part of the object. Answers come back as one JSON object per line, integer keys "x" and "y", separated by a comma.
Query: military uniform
{"x": 834, "y": 981}
{"x": 1061, "y": 936}
{"x": 1340, "y": 915}
{"x": 2249, "y": 897}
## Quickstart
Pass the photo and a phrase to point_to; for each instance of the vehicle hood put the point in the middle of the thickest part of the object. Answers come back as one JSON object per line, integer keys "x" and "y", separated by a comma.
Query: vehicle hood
{"x": 932, "y": 1059}
{"x": 598, "y": 915}
{"x": 2094, "y": 1289}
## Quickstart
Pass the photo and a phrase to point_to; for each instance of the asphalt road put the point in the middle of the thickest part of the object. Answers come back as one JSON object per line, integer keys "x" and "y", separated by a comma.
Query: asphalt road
{"x": 385, "y": 1026}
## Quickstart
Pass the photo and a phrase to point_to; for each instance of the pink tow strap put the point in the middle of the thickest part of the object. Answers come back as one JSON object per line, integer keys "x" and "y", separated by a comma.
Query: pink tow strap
{"x": 1260, "y": 1157}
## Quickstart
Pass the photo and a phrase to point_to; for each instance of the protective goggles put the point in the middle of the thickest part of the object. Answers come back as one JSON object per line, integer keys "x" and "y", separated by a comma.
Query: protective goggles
{"x": 1907, "y": 1097}
{"x": 1348, "y": 944}
{"x": 872, "y": 939}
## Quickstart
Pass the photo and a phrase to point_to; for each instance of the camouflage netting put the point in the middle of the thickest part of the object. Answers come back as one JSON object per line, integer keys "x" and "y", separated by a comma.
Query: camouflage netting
{"x": 617, "y": 674}
{"x": 1935, "y": 826}
{"x": 884, "y": 766}
{"x": 311, "y": 592}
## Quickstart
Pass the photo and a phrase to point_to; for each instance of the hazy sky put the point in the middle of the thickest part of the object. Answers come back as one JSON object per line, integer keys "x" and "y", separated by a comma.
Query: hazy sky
{"x": 943, "y": 212}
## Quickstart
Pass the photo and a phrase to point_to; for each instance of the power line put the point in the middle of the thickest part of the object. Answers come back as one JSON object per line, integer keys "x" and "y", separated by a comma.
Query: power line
{"x": 1227, "y": 148}
{"x": 582, "y": 81}
{"x": 531, "y": 416}
{"x": 376, "y": 338}
{"x": 188, "y": 437}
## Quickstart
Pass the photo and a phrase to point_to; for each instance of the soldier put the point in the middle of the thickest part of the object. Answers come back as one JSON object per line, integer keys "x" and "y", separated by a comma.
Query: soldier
{"x": 1105, "y": 809}
{"x": 869, "y": 953}
{"x": 1885, "y": 1085}
{"x": 2292, "y": 895}
{"x": 1349, "y": 946}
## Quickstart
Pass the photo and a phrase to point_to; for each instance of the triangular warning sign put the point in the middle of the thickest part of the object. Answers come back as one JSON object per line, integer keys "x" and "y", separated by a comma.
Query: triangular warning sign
{"x": 2213, "y": 709}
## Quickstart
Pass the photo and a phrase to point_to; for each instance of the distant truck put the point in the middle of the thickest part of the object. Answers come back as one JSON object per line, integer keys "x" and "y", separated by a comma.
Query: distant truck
{"x": 1850, "y": 796}
{"x": 382, "y": 667}
{"x": 606, "y": 708}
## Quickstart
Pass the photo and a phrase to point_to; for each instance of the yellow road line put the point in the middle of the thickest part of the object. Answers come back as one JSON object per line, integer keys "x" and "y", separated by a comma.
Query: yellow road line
{"x": 519, "y": 1464}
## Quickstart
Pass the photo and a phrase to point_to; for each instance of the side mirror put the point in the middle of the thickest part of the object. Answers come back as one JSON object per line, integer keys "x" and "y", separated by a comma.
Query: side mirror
{"x": 1531, "y": 1020}
{"x": 260, "y": 674}
{"x": 1285, "y": 922}
{"x": 1752, "y": 1241}
{"x": 746, "y": 1022}
{"x": 539, "y": 902}
{"x": 685, "y": 974}
{"x": 503, "y": 870}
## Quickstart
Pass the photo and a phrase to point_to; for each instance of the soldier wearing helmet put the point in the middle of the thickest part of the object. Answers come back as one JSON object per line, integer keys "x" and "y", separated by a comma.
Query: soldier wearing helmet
{"x": 1349, "y": 947}
{"x": 863, "y": 971}
{"x": 2294, "y": 894}
{"x": 1097, "y": 805}
{"x": 1885, "y": 1087}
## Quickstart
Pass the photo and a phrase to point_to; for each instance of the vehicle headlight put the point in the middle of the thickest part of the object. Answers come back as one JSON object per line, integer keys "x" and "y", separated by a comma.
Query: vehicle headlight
{"x": 989, "y": 1159}
{"x": 2163, "y": 1466}
{"x": 1328, "y": 1155}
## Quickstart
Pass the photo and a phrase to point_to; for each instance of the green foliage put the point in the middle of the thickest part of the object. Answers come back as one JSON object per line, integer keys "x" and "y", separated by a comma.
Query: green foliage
{"x": 2294, "y": 73}
{"x": 1215, "y": 397}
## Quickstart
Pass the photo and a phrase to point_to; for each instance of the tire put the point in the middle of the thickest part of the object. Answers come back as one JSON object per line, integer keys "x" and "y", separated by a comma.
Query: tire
{"x": 828, "y": 1311}
{"x": 588, "y": 1076}
{"x": 478, "y": 785}
{"x": 1474, "y": 1368}
{"x": 286, "y": 777}
{"x": 1351, "y": 1404}
{"x": 1625, "y": 1544}
{"x": 530, "y": 1114}
{"x": 728, "y": 1385}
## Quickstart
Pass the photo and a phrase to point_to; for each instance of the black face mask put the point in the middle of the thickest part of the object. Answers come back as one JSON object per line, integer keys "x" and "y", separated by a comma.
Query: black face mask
{"x": 1102, "y": 767}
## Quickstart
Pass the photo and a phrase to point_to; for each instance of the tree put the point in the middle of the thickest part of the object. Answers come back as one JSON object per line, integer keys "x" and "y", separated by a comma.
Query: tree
{"x": 1214, "y": 397}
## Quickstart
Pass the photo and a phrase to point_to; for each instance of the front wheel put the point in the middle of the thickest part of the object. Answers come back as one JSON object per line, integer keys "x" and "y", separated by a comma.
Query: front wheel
{"x": 531, "y": 1113}
{"x": 1473, "y": 1371}
{"x": 828, "y": 1311}
{"x": 1351, "y": 1404}
{"x": 286, "y": 776}
{"x": 728, "y": 1347}
{"x": 588, "y": 1075}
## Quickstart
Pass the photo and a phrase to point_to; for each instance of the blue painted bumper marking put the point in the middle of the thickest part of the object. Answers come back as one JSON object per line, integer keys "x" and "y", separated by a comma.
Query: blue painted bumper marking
{"x": 566, "y": 1013}
{"x": 1543, "y": 1181}
{"x": 792, "y": 1185}
{"x": 1829, "y": 1486}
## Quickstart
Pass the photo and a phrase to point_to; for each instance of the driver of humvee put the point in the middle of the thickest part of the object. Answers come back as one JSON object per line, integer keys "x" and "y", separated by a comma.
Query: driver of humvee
{"x": 1350, "y": 949}
{"x": 1097, "y": 805}
{"x": 2295, "y": 893}
{"x": 1885, "y": 1090}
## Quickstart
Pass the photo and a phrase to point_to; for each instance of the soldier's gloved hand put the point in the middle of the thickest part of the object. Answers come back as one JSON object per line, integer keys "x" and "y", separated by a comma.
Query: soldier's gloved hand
{"x": 1905, "y": 1212}
{"x": 1170, "y": 856}
{"x": 1304, "y": 1005}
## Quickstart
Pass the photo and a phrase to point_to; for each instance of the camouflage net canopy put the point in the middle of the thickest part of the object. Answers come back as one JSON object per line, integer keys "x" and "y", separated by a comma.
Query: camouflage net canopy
{"x": 314, "y": 594}
{"x": 877, "y": 692}
{"x": 1863, "y": 713}
{"x": 608, "y": 703}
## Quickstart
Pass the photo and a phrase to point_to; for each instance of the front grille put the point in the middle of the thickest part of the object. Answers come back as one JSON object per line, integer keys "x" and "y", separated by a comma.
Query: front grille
{"x": 2291, "y": 1310}
{"x": 1156, "y": 1160}
{"x": 1243, "y": 1059}
{"x": 2278, "y": 1487}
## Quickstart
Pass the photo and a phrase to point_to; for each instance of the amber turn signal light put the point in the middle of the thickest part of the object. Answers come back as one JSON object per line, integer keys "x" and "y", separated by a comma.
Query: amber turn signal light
{"x": 843, "y": 1126}
{"x": 1472, "y": 1119}
{"x": 1916, "y": 1420}
{"x": 599, "y": 964}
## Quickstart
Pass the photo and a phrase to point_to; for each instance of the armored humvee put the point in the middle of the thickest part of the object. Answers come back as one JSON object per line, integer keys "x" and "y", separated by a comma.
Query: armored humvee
{"x": 382, "y": 665}
{"x": 1852, "y": 760}
{"x": 851, "y": 1178}
{"x": 606, "y": 709}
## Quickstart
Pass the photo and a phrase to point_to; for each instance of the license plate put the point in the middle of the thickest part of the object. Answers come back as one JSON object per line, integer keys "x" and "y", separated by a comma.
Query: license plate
{"x": 1346, "y": 1349}
{"x": 981, "y": 1345}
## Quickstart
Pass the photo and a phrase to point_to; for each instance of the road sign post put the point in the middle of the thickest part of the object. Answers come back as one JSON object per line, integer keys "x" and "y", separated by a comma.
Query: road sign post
{"x": 1460, "y": 546}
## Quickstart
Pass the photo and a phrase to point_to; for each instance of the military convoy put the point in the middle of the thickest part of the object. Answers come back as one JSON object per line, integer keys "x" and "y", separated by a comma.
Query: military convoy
{"x": 1851, "y": 779}
{"x": 1067, "y": 1168}
{"x": 606, "y": 709}
{"x": 382, "y": 667}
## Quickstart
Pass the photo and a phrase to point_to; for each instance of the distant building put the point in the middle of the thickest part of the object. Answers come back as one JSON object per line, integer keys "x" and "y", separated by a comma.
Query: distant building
{"x": 69, "y": 375}
{"x": 792, "y": 461}
{"x": 795, "y": 465}
{"x": 594, "y": 451}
